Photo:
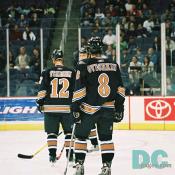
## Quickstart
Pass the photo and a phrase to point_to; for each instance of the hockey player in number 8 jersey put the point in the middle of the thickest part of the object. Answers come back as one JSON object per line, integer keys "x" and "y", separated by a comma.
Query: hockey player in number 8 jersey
{"x": 83, "y": 56}
{"x": 54, "y": 100}
{"x": 98, "y": 98}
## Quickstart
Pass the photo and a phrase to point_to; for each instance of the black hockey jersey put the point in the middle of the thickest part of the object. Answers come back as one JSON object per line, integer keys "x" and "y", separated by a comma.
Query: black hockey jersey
{"x": 98, "y": 81}
{"x": 56, "y": 88}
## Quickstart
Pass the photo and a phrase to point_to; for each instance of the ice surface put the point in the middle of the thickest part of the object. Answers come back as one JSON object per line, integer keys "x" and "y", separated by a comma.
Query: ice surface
{"x": 27, "y": 142}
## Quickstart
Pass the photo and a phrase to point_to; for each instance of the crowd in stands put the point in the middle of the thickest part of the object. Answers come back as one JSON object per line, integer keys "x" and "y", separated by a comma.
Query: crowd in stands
{"x": 24, "y": 19}
{"x": 140, "y": 43}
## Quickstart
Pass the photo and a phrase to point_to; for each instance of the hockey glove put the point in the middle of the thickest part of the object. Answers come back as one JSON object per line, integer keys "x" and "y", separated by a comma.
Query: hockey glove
{"x": 76, "y": 117}
{"x": 119, "y": 113}
{"x": 120, "y": 99}
{"x": 40, "y": 103}
{"x": 40, "y": 108}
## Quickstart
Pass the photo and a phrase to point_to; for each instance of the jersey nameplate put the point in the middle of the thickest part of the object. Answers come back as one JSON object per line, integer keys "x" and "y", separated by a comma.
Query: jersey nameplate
{"x": 60, "y": 73}
{"x": 101, "y": 67}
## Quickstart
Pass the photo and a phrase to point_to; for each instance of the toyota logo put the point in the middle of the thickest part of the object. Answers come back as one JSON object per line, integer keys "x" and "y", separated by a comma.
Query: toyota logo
{"x": 158, "y": 109}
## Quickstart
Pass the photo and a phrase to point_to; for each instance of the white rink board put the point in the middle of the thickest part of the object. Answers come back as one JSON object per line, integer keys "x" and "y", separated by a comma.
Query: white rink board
{"x": 141, "y": 113}
{"x": 27, "y": 142}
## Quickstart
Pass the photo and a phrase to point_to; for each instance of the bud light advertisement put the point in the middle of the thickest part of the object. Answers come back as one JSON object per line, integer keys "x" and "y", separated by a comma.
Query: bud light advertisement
{"x": 19, "y": 109}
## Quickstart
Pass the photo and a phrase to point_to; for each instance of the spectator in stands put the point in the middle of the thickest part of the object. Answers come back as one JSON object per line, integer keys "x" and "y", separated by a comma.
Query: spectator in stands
{"x": 11, "y": 60}
{"x": 132, "y": 45}
{"x": 146, "y": 11}
{"x": 134, "y": 69}
{"x": 22, "y": 60}
{"x": 36, "y": 61}
{"x": 149, "y": 24}
{"x": 32, "y": 10}
{"x": 153, "y": 56}
{"x": 109, "y": 38}
{"x": 99, "y": 14}
{"x": 131, "y": 32}
{"x": 12, "y": 12}
{"x": 141, "y": 32}
{"x": 123, "y": 43}
{"x": 49, "y": 10}
{"x": 97, "y": 23}
{"x": 96, "y": 32}
{"x": 125, "y": 22}
{"x": 87, "y": 20}
{"x": 133, "y": 19}
{"x": 170, "y": 48}
{"x": 120, "y": 7}
{"x": 129, "y": 6}
{"x": 39, "y": 10}
{"x": 85, "y": 5}
{"x": 170, "y": 44}
{"x": 170, "y": 86}
{"x": 109, "y": 52}
{"x": 139, "y": 5}
{"x": 28, "y": 34}
{"x": 166, "y": 16}
{"x": 147, "y": 66}
{"x": 35, "y": 22}
{"x": 157, "y": 44}
{"x": 107, "y": 20}
{"x": 125, "y": 60}
{"x": 2, "y": 63}
{"x": 84, "y": 41}
{"x": 22, "y": 22}
{"x": 112, "y": 10}
{"x": 15, "y": 33}
{"x": 169, "y": 29}
{"x": 139, "y": 54}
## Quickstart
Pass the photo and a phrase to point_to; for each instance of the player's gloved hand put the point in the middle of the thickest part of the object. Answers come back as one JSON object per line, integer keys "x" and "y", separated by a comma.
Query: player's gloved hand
{"x": 119, "y": 113}
{"x": 76, "y": 117}
{"x": 40, "y": 108}
{"x": 40, "y": 103}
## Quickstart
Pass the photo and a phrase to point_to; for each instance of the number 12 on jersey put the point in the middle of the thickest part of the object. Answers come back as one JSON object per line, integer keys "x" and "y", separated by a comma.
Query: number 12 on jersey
{"x": 63, "y": 92}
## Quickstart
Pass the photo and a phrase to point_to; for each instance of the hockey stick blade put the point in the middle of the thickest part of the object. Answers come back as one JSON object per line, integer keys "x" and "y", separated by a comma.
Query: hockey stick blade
{"x": 22, "y": 156}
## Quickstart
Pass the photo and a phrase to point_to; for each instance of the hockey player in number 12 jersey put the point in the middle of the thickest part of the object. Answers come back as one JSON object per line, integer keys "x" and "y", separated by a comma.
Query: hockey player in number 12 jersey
{"x": 98, "y": 99}
{"x": 54, "y": 100}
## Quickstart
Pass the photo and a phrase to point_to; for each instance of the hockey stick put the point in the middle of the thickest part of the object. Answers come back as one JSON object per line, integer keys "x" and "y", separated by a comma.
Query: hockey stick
{"x": 24, "y": 156}
{"x": 59, "y": 156}
{"x": 68, "y": 157}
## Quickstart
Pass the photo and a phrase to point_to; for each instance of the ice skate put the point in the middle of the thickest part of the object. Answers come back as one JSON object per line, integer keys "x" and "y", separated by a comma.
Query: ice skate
{"x": 52, "y": 160}
{"x": 106, "y": 169}
{"x": 79, "y": 169}
{"x": 93, "y": 148}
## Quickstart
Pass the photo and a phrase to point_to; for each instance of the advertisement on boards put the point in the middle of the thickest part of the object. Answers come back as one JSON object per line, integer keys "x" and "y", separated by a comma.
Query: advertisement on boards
{"x": 157, "y": 109}
{"x": 19, "y": 109}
